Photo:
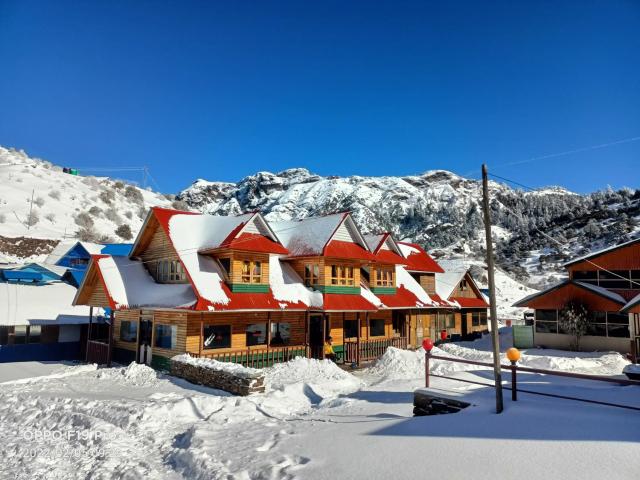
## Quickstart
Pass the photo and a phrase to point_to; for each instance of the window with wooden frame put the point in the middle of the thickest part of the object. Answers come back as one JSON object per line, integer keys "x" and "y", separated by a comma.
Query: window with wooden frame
{"x": 216, "y": 336}
{"x": 384, "y": 277}
{"x": 251, "y": 271}
{"x": 170, "y": 271}
{"x": 311, "y": 274}
{"x": 128, "y": 331}
{"x": 463, "y": 285}
{"x": 376, "y": 327}
{"x": 342, "y": 275}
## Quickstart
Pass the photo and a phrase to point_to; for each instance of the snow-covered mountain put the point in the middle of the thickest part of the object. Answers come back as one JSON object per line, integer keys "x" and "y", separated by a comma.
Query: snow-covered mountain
{"x": 38, "y": 200}
{"x": 442, "y": 211}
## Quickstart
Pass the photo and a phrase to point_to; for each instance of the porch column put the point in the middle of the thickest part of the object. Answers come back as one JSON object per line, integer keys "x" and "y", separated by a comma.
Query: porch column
{"x": 306, "y": 334}
{"x": 111, "y": 318}
{"x": 358, "y": 339}
{"x": 201, "y": 335}
{"x": 268, "y": 330}
{"x": 86, "y": 359}
{"x": 324, "y": 332}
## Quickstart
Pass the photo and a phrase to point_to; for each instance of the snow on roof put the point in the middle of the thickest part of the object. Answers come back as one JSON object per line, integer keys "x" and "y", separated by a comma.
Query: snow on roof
{"x": 48, "y": 304}
{"x": 60, "y": 251}
{"x": 92, "y": 248}
{"x": 404, "y": 279}
{"x": 52, "y": 268}
{"x": 307, "y": 236}
{"x": 418, "y": 260}
{"x": 130, "y": 285}
{"x": 287, "y": 286}
{"x": 593, "y": 288}
{"x": 374, "y": 240}
{"x": 370, "y": 297}
{"x": 446, "y": 283}
{"x": 600, "y": 252}
{"x": 192, "y": 233}
{"x": 632, "y": 303}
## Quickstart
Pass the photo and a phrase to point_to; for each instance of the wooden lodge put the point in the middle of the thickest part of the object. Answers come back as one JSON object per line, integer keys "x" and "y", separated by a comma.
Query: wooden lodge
{"x": 243, "y": 290}
{"x": 607, "y": 283}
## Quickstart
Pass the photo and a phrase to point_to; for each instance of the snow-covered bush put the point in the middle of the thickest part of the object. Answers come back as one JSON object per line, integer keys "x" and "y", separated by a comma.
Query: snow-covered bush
{"x": 55, "y": 194}
{"x": 39, "y": 202}
{"x": 112, "y": 214}
{"x": 95, "y": 211}
{"x": 118, "y": 185}
{"x": 124, "y": 232}
{"x": 51, "y": 217}
{"x": 133, "y": 194}
{"x": 87, "y": 234}
{"x": 574, "y": 320}
{"x": 84, "y": 220}
{"x": 3, "y": 218}
{"x": 142, "y": 212}
{"x": 107, "y": 196}
{"x": 32, "y": 218}
{"x": 129, "y": 214}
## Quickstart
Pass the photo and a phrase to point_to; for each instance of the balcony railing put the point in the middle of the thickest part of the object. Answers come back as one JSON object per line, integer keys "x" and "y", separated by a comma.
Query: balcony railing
{"x": 256, "y": 357}
{"x": 371, "y": 349}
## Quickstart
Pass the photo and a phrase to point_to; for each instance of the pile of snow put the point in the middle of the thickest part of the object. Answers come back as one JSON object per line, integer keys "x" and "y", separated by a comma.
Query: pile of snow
{"x": 135, "y": 374}
{"x": 231, "y": 368}
{"x": 309, "y": 380}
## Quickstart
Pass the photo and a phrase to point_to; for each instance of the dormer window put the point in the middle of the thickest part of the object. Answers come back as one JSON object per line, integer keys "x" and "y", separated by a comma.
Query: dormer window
{"x": 342, "y": 275}
{"x": 311, "y": 274}
{"x": 251, "y": 271}
{"x": 384, "y": 277}
{"x": 170, "y": 271}
{"x": 463, "y": 285}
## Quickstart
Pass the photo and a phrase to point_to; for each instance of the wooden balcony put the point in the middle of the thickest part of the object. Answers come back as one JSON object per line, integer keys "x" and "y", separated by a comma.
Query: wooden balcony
{"x": 367, "y": 350}
{"x": 256, "y": 357}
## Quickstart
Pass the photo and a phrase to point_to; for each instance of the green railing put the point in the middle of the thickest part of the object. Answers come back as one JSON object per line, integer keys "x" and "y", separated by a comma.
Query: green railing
{"x": 256, "y": 357}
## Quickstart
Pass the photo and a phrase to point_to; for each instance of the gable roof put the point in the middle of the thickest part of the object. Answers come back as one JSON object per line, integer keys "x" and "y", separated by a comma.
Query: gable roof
{"x": 386, "y": 249}
{"x": 324, "y": 236}
{"x": 418, "y": 260}
{"x": 65, "y": 246}
{"x": 591, "y": 256}
{"x": 602, "y": 292}
{"x": 447, "y": 281}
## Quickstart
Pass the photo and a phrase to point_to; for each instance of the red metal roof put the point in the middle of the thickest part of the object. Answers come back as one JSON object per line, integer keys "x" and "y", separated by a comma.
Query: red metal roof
{"x": 465, "y": 302}
{"x": 347, "y": 250}
{"x": 340, "y": 302}
{"x": 403, "y": 298}
{"x": 387, "y": 256}
{"x": 421, "y": 261}
{"x": 163, "y": 215}
{"x": 436, "y": 298}
{"x": 255, "y": 242}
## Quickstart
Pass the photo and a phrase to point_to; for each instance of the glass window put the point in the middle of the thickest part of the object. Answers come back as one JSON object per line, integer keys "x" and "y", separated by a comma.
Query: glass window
{"x": 217, "y": 336}
{"x": 547, "y": 315}
{"x": 251, "y": 272}
{"x": 20, "y": 334}
{"x": 615, "y": 317}
{"x": 384, "y": 277}
{"x": 463, "y": 285}
{"x": 256, "y": 334}
{"x": 450, "y": 319}
{"x": 4, "y": 335}
{"x": 311, "y": 274}
{"x": 589, "y": 276}
{"x": 170, "y": 271}
{"x": 478, "y": 319}
{"x": 618, "y": 330}
{"x": 597, "y": 329}
{"x": 128, "y": 331}
{"x": 342, "y": 275}
{"x": 350, "y": 329}
{"x": 280, "y": 334}
{"x": 376, "y": 327}
{"x": 34, "y": 333}
{"x": 166, "y": 336}
{"x": 546, "y": 327}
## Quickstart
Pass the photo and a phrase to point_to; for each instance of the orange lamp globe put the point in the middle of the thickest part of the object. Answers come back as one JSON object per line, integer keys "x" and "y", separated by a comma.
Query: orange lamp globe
{"x": 513, "y": 354}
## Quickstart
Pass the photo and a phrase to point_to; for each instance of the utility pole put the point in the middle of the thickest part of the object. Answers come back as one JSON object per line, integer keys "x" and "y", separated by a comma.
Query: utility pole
{"x": 30, "y": 218}
{"x": 492, "y": 290}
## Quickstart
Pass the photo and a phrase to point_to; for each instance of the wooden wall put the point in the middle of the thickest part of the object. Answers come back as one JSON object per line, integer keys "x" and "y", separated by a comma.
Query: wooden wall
{"x": 558, "y": 298}
{"x": 428, "y": 282}
{"x": 239, "y": 322}
{"x": 130, "y": 315}
{"x": 624, "y": 258}
{"x": 237, "y": 258}
{"x": 337, "y": 324}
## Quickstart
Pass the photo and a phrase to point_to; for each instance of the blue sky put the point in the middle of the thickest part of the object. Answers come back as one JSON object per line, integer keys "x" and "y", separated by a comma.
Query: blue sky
{"x": 219, "y": 90}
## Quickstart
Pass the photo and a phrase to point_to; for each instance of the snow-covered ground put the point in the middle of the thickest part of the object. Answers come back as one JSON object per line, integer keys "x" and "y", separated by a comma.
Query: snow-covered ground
{"x": 316, "y": 421}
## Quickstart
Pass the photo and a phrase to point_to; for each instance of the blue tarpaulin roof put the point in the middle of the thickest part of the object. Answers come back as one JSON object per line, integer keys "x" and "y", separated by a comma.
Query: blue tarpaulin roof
{"x": 119, "y": 249}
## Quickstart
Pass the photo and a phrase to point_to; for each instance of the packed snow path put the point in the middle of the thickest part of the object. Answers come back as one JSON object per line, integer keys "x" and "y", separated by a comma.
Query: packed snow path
{"x": 315, "y": 421}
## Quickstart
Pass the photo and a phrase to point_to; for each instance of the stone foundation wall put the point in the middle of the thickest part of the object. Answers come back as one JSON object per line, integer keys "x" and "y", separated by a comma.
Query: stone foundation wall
{"x": 238, "y": 385}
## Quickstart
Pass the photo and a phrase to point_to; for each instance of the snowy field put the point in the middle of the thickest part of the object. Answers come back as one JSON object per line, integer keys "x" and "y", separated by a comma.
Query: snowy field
{"x": 316, "y": 421}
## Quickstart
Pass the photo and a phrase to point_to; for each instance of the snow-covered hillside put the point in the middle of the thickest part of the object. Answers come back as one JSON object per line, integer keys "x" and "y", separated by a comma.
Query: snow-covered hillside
{"x": 441, "y": 211}
{"x": 64, "y": 204}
